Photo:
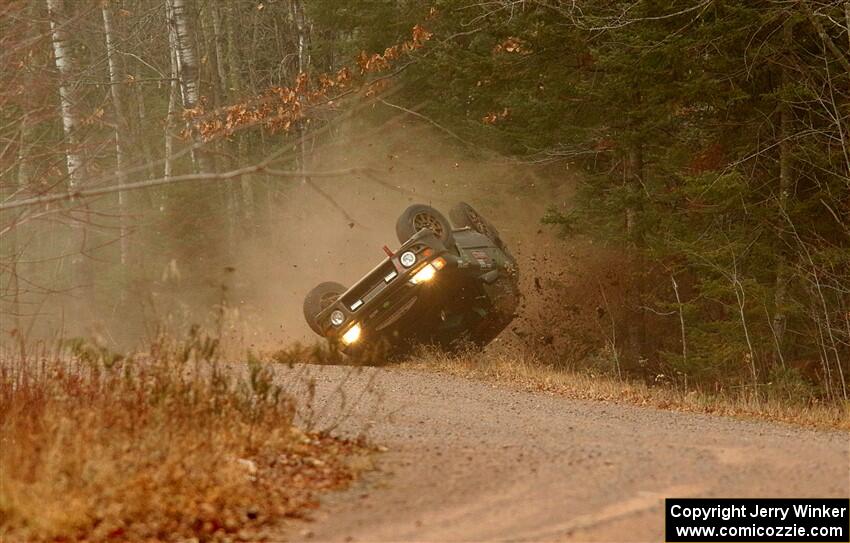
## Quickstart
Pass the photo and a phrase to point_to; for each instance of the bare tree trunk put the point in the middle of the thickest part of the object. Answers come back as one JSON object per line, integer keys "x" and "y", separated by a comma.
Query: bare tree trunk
{"x": 187, "y": 69}
{"x": 140, "y": 140}
{"x": 14, "y": 287}
{"x": 681, "y": 321}
{"x": 235, "y": 79}
{"x": 187, "y": 59}
{"x": 783, "y": 273}
{"x": 173, "y": 92}
{"x": 120, "y": 128}
{"x": 218, "y": 37}
{"x": 69, "y": 101}
{"x": 847, "y": 19}
{"x": 25, "y": 172}
{"x": 211, "y": 51}
{"x": 233, "y": 54}
{"x": 302, "y": 29}
{"x": 741, "y": 297}
{"x": 24, "y": 184}
{"x": 636, "y": 318}
{"x": 67, "y": 98}
{"x": 252, "y": 53}
{"x": 303, "y": 39}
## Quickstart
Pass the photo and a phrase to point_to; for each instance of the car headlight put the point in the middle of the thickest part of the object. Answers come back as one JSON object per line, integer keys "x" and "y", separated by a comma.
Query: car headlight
{"x": 352, "y": 334}
{"x": 428, "y": 271}
{"x": 408, "y": 259}
{"x": 337, "y": 317}
{"x": 424, "y": 275}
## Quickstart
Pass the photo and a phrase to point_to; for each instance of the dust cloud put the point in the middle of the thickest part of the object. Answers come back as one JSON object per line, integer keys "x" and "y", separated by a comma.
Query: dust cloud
{"x": 312, "y": 241}
{"x": 305, "y": 239}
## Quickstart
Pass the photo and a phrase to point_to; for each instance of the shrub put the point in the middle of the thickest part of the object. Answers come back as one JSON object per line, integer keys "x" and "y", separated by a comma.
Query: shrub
{"x": 164, "y": 445}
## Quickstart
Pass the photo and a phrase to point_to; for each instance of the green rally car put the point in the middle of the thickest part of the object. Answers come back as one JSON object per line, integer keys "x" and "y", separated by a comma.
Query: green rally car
{"x": 448, "y": 284}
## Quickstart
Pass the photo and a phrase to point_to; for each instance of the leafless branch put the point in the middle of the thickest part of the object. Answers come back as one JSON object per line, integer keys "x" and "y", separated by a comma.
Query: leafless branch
{"x": 224, "y": 176}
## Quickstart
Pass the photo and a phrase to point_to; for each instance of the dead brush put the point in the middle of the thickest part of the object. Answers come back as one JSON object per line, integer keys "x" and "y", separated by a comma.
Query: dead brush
{"x": 164, "y": 445}
{"x": 519, "y": 366}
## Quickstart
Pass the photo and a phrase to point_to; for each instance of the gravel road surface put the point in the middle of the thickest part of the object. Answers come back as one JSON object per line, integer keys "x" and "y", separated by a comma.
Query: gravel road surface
{"x": 471, "y": 461}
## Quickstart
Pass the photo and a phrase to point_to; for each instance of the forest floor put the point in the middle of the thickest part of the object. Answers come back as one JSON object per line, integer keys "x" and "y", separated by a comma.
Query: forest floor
{"x": 472, "y": 460}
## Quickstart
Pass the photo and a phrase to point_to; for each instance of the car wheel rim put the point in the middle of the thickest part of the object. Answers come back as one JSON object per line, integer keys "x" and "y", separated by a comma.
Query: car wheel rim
{"x": 478, "y": 223}
{"x": 428, "y": 221}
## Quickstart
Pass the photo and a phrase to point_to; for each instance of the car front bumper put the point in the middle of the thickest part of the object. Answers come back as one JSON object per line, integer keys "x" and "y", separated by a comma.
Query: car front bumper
{"x": 386, "y": 294}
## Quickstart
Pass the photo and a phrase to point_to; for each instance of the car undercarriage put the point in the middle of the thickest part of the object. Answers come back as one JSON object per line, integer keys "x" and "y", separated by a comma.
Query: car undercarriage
{"x": 449, "y": 284}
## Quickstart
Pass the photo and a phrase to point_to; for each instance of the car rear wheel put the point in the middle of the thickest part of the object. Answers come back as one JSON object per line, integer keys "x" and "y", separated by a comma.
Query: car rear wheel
{"x": 464, "y": 215}
{"x": 319, "y": 299}
{"x": 420, "y": 216}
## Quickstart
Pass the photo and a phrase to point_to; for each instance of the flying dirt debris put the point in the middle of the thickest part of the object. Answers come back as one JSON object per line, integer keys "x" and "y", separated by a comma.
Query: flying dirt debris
{"x": 448, "y": 284}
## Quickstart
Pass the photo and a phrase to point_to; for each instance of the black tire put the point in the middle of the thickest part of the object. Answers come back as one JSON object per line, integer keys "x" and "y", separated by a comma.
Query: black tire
{"x": 318, "y": 299}
{"x": 464, "y": 215}
{"x": 420, "y": 216}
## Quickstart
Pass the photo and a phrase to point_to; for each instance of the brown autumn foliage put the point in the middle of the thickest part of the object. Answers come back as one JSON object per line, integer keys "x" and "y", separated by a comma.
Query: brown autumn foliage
{"x": 163, "y": 446}
{"x": 278, "y": 109}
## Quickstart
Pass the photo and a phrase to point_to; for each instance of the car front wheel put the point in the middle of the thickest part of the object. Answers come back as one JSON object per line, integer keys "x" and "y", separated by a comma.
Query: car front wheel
{"x": 319, "y": 299}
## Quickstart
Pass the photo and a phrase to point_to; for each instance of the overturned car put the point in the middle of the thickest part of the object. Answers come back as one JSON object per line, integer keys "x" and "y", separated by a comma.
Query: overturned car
{"x": 448, "y": 284}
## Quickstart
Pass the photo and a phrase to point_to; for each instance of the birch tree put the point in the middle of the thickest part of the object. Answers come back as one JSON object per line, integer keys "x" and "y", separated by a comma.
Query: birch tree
{"x": 69, "y": 102}
{"x": 302, "y": 35}
{"x": 186, "y": 55}
{"x": 68, "y": 99}
{"x": 173, "y": 91}
{"x": 299, "y": 20}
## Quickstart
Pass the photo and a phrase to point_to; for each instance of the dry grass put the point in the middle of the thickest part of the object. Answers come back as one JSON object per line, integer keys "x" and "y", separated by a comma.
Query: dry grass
{"x": 165, "y": 446}
{"x": 518, "y": 367}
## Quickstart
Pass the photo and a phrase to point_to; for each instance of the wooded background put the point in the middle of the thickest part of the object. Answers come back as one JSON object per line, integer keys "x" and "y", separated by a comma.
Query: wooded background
{"x": 710, "y": 137}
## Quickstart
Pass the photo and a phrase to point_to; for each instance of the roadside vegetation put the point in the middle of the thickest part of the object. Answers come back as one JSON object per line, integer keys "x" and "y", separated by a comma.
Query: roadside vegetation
{"x": 594, "y": 377}
{"x": 164, "y": 445}
{"x": 512, "y": 366}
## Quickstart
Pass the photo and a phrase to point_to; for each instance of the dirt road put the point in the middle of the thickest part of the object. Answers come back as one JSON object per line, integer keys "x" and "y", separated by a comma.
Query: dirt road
{"x": 471, "y": 461}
